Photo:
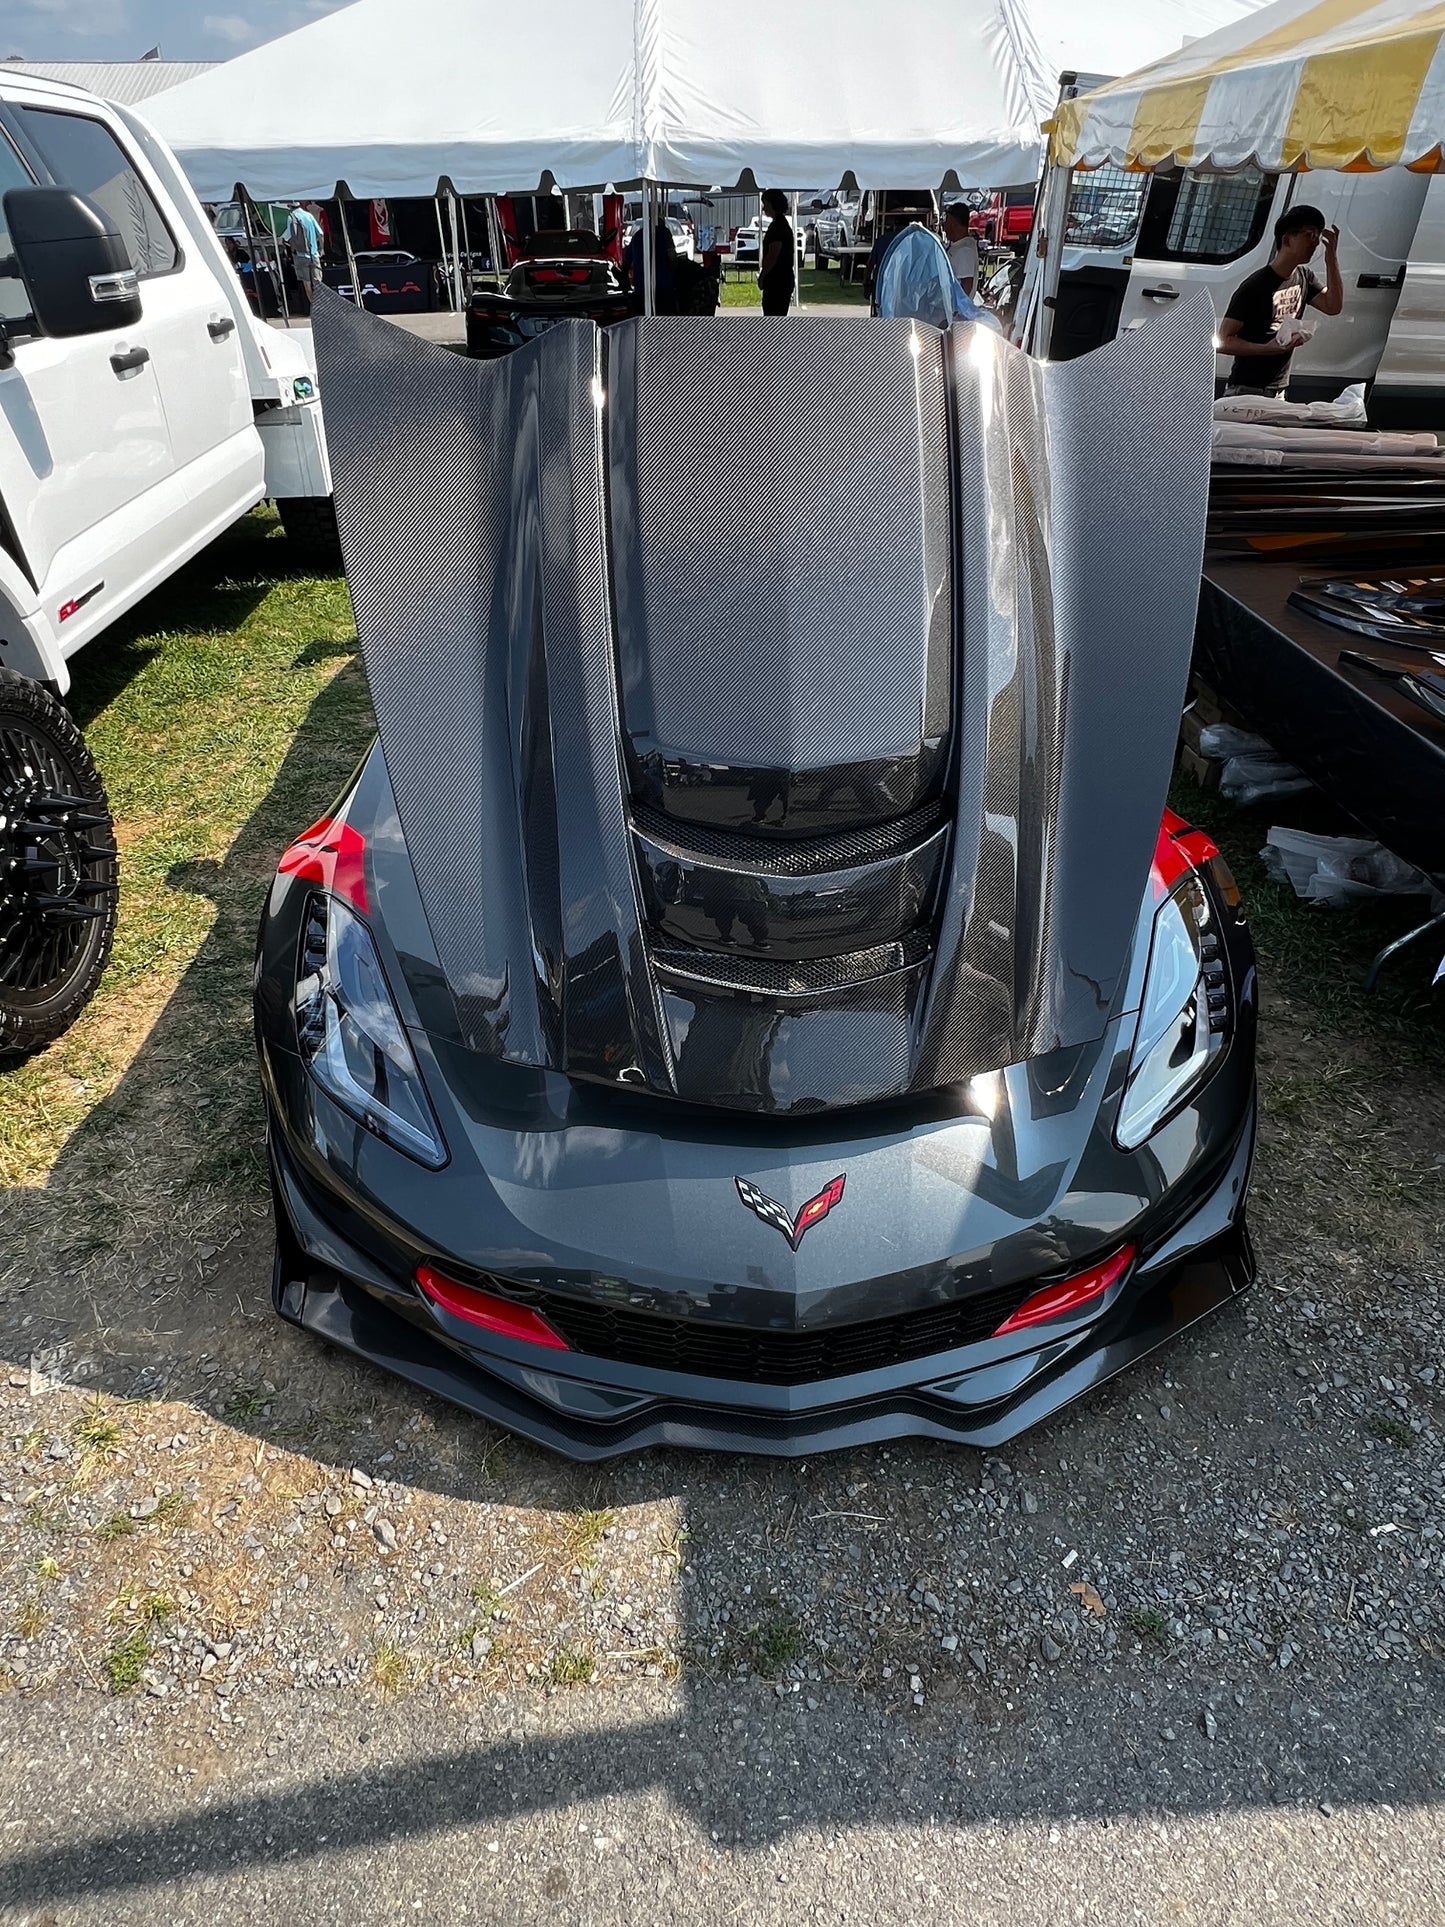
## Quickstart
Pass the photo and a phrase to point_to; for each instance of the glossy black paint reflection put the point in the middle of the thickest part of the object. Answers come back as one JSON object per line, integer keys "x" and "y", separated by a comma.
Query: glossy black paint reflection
{"x": 752, "y": 912}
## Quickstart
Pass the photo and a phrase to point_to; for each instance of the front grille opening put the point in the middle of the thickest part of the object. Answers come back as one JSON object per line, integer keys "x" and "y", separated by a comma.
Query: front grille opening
{"x": 705, "y": 1349}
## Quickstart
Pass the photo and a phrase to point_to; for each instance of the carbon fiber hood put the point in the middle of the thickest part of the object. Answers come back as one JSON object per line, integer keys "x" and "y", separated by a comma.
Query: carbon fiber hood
{"x": 779, "y": 711}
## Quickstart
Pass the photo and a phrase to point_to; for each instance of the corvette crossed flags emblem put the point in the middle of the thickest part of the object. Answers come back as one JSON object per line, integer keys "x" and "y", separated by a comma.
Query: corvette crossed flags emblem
{"x": 775, "y": 1214}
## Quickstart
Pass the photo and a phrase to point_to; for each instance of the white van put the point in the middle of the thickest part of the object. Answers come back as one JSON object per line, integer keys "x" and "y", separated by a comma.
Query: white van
{"x": 143, "y": 408}
{"x": 1136, "y": 241}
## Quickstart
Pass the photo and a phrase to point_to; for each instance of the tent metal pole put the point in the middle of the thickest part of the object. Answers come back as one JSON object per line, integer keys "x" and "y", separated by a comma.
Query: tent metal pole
{"x": 456, "y": 249}
{"x": 275, "y": 241}
{"x": 442, "y": 244}
{"x": 466, "y": 247}
{"x": 649, "y": 265}
{"x": 356, "y": 294}
{"x": 797, "y": 300}
{"x": 494, "y": 240}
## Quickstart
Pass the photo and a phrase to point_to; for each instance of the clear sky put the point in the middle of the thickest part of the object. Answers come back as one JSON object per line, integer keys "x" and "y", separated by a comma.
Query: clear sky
{"x": 125, "y": 29}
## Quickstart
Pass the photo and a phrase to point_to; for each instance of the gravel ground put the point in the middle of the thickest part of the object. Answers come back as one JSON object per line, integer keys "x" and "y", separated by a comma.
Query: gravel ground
{"x": 281, "y": 1639}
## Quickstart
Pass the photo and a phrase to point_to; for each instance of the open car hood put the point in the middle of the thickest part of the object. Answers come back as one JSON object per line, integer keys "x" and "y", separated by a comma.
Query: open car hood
{"x": 779, "y": 711}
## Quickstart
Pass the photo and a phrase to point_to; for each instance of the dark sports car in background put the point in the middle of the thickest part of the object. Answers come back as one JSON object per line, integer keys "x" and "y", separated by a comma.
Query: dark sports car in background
{"x": 752, "y": 996}
{"x": 565, "y": 274}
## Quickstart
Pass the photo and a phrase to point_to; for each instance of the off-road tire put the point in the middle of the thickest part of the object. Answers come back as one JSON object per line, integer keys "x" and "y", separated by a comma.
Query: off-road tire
{"x": 58, "y": 870}
{"x": 310, "y": 522}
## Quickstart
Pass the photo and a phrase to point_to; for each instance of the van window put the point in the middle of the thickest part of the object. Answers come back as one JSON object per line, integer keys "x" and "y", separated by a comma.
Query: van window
{"x": 1104, "y": 207}
{"x": 85, "y": 156}
{"x": 1206, "y": 217}
{"x": 14, "y": 302}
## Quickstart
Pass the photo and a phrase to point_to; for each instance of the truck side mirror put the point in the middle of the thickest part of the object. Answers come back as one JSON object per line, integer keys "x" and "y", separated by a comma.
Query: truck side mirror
{"x": 73, "y": 262}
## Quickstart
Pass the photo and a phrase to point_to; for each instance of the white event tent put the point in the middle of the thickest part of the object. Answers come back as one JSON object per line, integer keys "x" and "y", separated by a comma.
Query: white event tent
{"x": 383, "y": 98}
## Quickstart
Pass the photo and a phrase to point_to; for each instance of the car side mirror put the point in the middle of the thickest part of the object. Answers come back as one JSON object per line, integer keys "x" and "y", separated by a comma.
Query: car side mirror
{"x": 73, "y": 262}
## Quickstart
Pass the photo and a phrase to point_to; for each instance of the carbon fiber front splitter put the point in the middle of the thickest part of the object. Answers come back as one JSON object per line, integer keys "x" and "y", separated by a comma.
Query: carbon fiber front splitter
{"x": 340, "y": 1294}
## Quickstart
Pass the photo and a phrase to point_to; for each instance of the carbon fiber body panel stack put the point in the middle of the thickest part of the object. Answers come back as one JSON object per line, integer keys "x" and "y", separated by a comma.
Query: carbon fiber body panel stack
{"x": 779, "y": 712}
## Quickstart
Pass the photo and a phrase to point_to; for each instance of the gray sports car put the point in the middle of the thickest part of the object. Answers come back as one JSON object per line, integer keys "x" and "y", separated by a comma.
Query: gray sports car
{"x": 752, "y": 994}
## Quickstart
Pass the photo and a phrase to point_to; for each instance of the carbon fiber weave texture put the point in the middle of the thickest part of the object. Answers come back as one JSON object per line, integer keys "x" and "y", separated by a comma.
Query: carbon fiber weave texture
{"x": 782, "y": 534}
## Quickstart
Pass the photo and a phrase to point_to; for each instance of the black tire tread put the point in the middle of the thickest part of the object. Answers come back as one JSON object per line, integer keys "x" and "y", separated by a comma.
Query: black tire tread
{"x": 22, "y": 1032}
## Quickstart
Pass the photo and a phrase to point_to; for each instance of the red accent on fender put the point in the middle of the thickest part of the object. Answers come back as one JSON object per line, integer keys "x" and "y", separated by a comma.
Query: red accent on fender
{"x": 333, "y": 855}
{"x": 493, "y": 1314}
{"x": 66, "y": 611}
{"x": 1056, "y": 1300}
{"x": 1179, "y": 849}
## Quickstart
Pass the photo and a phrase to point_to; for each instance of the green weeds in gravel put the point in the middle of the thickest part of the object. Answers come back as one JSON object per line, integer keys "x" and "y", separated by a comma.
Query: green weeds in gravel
{"x": 1390, "y": 1430}
{"x": 587, "y": 1532}
{"x": 156, "y": 1608}
{"x": 119, "y": 1525}
{"x": 40, "y": 1516}
{"x": 31, "y": 1620}
{"x": 570, "y": 1666}
{"x": 1151, "y": 1626}
{"x": 248, "y": 1404}
{"x": 172, "y": 1509}
{"x": 776, "y": 1645}
{"x": 96, "y": 1430}
{"x": 47, "y": 1568}
{"x": 391, "y": 1670}
{"x": 125, "y": 1662}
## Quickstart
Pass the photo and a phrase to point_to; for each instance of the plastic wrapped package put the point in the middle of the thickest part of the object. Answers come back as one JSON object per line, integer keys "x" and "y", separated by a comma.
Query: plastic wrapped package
{"x": 1346, "y": 411}
{"x": 1253, "y": 770}
{"x": 1339, "y": 869}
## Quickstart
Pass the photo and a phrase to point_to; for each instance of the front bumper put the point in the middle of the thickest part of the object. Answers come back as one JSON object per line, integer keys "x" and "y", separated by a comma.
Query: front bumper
{"x": 328, "y": 1282}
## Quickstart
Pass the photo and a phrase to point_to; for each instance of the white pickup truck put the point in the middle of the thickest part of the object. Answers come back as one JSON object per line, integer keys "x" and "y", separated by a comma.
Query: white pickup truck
{"x": 143, "y": 409}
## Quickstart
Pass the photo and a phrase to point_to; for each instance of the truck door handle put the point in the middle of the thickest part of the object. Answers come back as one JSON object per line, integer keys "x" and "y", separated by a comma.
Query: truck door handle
{"x": 1161, "y": 294}
{"x": 219, "y": 329}
{"x": 1395, "y": 280}
{"x": 126, "y": 360}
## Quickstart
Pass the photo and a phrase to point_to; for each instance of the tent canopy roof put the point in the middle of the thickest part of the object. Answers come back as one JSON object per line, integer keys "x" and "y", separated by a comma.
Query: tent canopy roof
{"x": 395, "y": 99}
{"x": 1355, "y": 84}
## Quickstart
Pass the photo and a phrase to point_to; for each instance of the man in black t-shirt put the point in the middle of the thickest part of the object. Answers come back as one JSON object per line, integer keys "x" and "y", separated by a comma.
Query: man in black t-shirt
{"x": 1271, "y": 300}
{"x": 776, "y": 273}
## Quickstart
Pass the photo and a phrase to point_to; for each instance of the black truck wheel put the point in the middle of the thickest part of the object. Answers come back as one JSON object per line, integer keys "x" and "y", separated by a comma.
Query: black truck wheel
{"x": 58, "y": 870}
{"x": 310, "y": 522}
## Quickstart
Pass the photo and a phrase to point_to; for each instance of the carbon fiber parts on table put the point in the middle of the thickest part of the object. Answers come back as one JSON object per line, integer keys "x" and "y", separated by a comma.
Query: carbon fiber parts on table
{"x": 1405, "y": 609}
{"x": 779, "y": 711}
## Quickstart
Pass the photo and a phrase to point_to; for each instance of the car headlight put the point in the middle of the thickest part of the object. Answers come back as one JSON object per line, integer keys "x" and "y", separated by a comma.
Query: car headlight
{"x": 1183, "y": 1013}
{"x": 351, "y": 1034}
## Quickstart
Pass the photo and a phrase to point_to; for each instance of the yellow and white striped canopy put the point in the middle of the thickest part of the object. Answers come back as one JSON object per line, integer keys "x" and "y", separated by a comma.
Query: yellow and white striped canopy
{"x": 1353, "y": 84}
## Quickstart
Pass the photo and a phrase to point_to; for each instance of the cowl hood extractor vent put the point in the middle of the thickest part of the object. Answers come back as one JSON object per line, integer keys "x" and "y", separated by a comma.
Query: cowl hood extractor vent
{"x": 779, "y": 711}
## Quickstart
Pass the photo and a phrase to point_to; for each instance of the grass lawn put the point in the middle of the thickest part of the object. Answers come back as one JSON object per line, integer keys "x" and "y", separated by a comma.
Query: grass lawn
{"x": 224, "y": 714}
{"x": 828, "y": 290}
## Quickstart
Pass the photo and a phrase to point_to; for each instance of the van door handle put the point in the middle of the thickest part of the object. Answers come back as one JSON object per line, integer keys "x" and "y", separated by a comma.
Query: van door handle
{"x": 1395, "y": 280}
{"x": 126, "y": 360}
{"x": 1161, "y": 294}
{"x": 219, "y": 329}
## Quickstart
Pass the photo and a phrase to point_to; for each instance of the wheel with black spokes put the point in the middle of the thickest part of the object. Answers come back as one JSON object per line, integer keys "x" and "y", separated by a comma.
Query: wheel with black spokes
{"x": 58, "y": 869}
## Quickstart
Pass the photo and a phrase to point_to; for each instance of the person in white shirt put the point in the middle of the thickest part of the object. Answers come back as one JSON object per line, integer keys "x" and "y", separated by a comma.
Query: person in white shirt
{"x": 962, "y": 247}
